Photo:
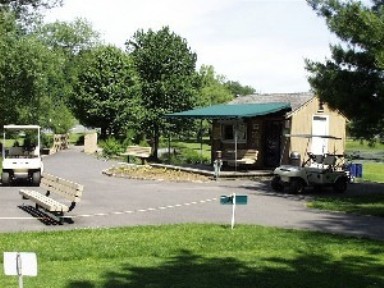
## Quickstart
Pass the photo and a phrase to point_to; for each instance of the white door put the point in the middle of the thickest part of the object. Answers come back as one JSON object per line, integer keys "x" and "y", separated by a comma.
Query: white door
{"x": 320, "y": 126}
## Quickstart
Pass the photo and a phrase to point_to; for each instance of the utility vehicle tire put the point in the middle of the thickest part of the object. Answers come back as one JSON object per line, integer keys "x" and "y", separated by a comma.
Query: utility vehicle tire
{"x": 36, "y": 178}
{"x": 340, "y": 185}
{"x": 5, "y": 178}
{"x": 276, "y": 184}
{"x": 296, "y": 185}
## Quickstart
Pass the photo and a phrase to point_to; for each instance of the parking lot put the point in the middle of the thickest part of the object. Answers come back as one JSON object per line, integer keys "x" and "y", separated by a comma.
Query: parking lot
{"x": 112, "y": 202}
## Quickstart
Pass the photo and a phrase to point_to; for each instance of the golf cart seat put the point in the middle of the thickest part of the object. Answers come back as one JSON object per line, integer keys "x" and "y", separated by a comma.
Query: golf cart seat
{"x": 314, "y": 160}
{"x": 15, "y": 151}
{"x": 329, "y": 160}
{"x": 320, "y": 161}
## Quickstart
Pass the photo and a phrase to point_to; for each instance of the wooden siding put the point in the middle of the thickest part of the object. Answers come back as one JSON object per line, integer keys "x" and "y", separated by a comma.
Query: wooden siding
{"x": 301, "y": 123}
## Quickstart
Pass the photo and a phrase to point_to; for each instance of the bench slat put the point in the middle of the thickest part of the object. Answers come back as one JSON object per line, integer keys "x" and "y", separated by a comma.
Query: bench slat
{"x": 43, "y": 201}
{"x": 67, "y": 189}
{"x": 244, "y": 156}
{"x": 138, "y": 151}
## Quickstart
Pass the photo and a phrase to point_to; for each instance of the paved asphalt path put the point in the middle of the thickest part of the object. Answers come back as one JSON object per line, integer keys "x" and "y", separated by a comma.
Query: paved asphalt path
{"x": 111, "y": 202}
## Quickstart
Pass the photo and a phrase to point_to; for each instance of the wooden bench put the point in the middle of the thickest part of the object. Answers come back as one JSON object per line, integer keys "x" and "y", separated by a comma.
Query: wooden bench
{"x": 55, "y": 186}
{"x": 138, "y": 151}
{"x": 243, "y": 156}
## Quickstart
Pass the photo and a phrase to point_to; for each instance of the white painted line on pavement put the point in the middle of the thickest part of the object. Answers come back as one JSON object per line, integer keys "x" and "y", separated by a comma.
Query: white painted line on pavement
{"x": 118, "y": 212}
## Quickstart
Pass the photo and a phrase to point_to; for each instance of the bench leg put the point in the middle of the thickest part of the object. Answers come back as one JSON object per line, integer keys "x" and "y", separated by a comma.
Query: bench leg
{"x": 61, "y": 218}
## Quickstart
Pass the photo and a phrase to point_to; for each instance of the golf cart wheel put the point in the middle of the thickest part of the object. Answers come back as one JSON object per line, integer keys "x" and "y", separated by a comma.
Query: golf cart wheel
{"x": 5, "y": 178}
{"x": 296, "y": 185}
{"x": 340, "y": 185}
{"x": 36, "y": 178}
{"x": 276, "y": 184}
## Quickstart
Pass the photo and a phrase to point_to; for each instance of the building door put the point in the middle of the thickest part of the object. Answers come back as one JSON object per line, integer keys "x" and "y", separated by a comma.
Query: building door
{"x": 273, "y": 131}
{"x": 320, "y": 126}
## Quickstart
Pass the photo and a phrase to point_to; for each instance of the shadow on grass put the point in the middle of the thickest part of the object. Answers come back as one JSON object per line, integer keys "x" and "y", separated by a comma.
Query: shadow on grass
{"x": 190, "y": 270}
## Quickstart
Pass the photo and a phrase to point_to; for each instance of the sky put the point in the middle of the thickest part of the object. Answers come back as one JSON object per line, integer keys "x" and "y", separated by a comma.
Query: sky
{"x": 260, "y": 43}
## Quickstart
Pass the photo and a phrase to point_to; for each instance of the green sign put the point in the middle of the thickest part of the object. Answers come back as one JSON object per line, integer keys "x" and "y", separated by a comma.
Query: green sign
{"x": 239, "y": 200}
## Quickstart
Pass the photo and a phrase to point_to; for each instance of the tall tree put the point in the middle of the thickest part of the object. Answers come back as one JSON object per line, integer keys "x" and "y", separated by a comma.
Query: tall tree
{"x": 239, "y": 90}
{"x": 169, "y": 80}
{"x": 66, "y": 40}
{"x": 32, "y": 79}
{"x": 26, "y": 8}
{"x": 353, "y": 80}
{"x": 213, "y": 90}
{"x": 107, "y": 91}
{"x": 28, "y": 73}
{"x": 69, "y": 37}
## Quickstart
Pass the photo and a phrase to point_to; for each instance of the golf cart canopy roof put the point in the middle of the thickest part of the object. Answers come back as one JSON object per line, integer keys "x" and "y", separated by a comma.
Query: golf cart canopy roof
{"x": 20, "y": 127}
{"x": 232, "y": 111}
{"x": 312, "y": 135}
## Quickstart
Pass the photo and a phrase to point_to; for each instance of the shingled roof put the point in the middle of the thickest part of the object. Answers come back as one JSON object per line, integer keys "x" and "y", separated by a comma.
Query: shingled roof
{"x": 295, "y": 99}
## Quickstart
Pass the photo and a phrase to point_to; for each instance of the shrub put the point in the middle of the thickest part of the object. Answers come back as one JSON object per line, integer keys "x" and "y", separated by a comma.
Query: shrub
{"x": 187, "y": 156}
{"x": 46, "y": 140}
{"x": 111, "y": 147}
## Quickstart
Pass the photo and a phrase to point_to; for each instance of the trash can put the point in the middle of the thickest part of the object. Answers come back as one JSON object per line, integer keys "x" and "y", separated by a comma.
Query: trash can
{"x": 355, "y": 170}
{"x": 295, "y": 158}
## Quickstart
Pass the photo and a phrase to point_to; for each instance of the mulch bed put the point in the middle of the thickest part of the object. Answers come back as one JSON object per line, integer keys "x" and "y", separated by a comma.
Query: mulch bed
{"x": 147, "y": 172}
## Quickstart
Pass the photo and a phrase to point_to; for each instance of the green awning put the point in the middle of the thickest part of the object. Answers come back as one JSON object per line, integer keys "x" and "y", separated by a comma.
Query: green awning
{"x": 231, "y": 111}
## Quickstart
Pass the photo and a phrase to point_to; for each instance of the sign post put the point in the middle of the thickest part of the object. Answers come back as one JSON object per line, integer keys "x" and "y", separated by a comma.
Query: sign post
{"x": 20, "y": 264}
{"x": 234, "y": 200}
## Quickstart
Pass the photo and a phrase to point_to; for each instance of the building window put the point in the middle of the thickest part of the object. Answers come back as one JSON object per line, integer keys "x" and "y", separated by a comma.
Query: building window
{"x": 229, "y": 130}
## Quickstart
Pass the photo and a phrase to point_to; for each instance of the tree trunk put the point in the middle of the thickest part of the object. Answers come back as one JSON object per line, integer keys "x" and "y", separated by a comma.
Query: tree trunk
{"x": 156, "y": 142}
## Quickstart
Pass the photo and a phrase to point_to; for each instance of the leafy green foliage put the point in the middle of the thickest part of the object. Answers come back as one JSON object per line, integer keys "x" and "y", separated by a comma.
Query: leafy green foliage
{"x": 67, "y": 40}
{"x": 353, "y": 80}
{"x": 69, "y": 37}
{"x": 111, "y": 147}
{"x": 166, "y": 67}
{"x": 193, "y": 157}
{"x": 239, "y": 90}
{"x": 213, "y": 90}
{"x": 47, "y": 140}
{"x": 29, "y": 75}
{"x": 61, "y": 119}
{"x": 27, "y": 11}
{"x": 107, "y": 91}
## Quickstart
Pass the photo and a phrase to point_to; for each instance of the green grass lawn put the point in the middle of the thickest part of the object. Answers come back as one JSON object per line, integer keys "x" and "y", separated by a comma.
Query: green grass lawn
{"x": 370, "y": 204}
{"x": 197, "y": 256}
{"x": 373, "y": 171}
{"x": 195, "y": 146}
{"x": 357, "y": 145}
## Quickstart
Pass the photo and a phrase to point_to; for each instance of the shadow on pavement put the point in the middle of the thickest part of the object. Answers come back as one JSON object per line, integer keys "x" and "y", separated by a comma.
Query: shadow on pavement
{"x": 42, "y": 216}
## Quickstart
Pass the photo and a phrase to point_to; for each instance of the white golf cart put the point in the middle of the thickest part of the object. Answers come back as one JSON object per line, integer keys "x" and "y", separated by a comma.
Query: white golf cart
{"x": 21, "y": 154}
{"x": 317, "y": 171}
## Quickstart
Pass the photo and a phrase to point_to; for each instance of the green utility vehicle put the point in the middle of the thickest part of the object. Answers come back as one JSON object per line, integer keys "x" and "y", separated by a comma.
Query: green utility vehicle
{"x": 21, "y": 154}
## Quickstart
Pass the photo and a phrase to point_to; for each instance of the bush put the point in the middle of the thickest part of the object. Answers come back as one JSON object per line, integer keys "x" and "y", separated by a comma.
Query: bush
{"x": 46, "y": 140}
{"x": 187, "y": 156}
{"x": 111, "y": 147}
